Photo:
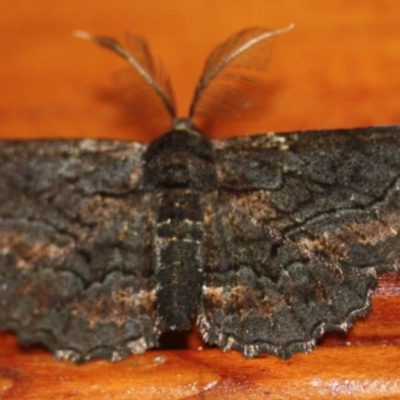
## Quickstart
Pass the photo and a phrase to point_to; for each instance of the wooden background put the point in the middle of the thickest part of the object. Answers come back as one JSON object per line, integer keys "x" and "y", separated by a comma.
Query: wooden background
{"x": 340, "y": 67}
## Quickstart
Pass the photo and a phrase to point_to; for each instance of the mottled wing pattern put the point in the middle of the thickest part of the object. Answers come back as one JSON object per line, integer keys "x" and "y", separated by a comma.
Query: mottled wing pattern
{"x": 74, "y": 243}
{"x": 303, "y": 222}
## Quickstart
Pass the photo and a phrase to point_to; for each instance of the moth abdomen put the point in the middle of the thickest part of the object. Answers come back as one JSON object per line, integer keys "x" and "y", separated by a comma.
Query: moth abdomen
{"x": 178, "y": 257}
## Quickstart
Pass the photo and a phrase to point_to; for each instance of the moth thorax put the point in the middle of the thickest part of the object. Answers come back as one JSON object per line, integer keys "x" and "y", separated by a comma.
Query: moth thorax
{"x": 179, "y": 159}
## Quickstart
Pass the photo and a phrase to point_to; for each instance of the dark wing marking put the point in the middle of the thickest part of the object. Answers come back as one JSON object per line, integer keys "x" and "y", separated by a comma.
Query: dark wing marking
{"x": 304, "y": 221}
{"x": 75, "y": 273}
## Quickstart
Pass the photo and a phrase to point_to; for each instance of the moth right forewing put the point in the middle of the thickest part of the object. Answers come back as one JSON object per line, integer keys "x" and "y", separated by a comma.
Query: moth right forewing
{"x": 272, "y": 290}
{"x": 333, "y": 192}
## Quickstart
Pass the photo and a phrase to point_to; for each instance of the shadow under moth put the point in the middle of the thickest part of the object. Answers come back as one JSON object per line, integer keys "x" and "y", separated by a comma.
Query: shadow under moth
{"x": 268, "y": 241}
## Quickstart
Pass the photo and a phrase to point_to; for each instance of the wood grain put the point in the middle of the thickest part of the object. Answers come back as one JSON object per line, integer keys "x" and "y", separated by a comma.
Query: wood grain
{"x": 338, "y": 68}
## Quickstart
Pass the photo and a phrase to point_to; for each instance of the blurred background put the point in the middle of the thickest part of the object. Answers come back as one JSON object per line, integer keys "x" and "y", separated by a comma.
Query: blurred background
{"x": 339, "y": 67}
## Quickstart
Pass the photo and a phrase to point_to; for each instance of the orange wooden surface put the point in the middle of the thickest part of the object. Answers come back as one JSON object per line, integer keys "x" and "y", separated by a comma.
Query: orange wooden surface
{"x": 340, "y": 67}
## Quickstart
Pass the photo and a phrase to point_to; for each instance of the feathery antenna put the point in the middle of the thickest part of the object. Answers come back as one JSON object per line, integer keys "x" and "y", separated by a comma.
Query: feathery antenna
{"x": 240, "y": 51}
{"x": 140, "y": 58}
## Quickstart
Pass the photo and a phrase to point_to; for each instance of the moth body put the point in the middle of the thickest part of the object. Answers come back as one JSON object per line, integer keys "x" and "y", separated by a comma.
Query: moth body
{"x": 179, "y": 171}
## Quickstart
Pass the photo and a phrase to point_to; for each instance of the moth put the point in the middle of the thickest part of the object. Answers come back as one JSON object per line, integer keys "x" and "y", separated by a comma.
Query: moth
{"x": 267, "y": 241}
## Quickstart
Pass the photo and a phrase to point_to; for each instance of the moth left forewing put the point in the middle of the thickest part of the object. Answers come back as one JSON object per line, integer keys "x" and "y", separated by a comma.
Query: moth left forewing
{"x": 306, "y": 221}
{"x": 74, "y": 237}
